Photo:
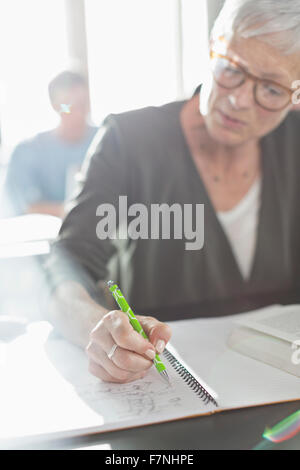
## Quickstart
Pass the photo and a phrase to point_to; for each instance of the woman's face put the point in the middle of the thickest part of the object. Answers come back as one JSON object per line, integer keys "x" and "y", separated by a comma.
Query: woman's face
{"x": 258, "y": 58}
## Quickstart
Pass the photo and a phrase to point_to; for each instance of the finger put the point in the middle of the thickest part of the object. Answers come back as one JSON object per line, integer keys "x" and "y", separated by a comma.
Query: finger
{"x": 159, "y": 333}
{"x": 123, "y": 334}
{"x": 100, "y": 357}
{"x": 101, "y": 336}
{"x": 104, "y": 339}
{"x": 97, "y": 355}
{"x": 99, "y": 372}
{"x": 122, "y": 358}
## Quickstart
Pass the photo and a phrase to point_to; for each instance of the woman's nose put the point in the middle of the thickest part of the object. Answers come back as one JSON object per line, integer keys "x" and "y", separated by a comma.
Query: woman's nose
{"x": 243, "y": 96}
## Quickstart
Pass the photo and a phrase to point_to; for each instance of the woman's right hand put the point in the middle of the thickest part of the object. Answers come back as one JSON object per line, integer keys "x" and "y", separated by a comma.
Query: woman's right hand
{"x": 134, "y": 354}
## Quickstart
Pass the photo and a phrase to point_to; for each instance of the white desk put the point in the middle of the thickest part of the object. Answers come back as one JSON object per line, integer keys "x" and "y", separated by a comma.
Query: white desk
{"x": 39, "y": 394}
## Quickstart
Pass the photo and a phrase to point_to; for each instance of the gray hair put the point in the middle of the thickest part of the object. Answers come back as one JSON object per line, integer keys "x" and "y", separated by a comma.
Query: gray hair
{"x": 276, "y": 21}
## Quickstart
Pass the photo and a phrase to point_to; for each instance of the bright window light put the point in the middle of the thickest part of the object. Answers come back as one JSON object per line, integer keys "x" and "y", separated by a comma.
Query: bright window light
{"x": 194, "y": 43}
{"x": 131, "y": 54}
{"x": 33, "y": 48}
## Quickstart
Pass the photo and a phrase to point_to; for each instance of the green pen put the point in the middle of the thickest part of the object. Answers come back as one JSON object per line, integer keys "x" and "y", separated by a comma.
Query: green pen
{"x": 121, "y": 301}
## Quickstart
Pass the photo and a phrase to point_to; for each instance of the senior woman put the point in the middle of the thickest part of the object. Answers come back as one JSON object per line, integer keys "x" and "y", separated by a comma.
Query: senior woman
{"x": 233, "y": 147}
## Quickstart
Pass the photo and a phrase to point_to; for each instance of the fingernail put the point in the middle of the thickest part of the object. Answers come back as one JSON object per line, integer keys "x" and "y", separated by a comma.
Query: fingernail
{"x": 150, "y": 353}
{"x": 160, "y": 346}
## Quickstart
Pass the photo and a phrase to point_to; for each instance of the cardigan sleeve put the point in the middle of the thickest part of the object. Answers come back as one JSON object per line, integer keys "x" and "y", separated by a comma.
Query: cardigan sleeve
{"x": 77, "y": 254}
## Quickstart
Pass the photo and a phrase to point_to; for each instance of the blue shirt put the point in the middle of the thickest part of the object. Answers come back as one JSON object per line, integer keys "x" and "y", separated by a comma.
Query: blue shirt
{"x": 39, "y": 169}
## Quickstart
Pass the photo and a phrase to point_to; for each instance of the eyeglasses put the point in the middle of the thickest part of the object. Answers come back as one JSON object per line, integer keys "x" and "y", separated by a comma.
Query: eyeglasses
{"x": 267, "y": 93}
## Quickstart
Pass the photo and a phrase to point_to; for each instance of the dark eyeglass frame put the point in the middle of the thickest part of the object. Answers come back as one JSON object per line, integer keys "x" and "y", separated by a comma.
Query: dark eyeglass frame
{"x": 248, "y": 75}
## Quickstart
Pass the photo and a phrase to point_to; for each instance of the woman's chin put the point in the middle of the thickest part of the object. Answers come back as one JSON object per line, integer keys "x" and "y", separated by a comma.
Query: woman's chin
{"x": 224, "y": 135}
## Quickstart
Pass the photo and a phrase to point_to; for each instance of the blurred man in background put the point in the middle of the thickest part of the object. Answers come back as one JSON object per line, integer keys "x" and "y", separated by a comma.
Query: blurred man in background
{"x": 41, "y": 169}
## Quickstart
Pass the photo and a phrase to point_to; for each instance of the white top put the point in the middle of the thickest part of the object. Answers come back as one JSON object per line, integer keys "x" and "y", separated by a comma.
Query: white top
{"x": 240, "y": 226}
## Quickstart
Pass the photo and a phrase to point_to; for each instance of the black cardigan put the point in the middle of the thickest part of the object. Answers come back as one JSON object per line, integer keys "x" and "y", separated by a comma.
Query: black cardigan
{"x": 143, "y": 154}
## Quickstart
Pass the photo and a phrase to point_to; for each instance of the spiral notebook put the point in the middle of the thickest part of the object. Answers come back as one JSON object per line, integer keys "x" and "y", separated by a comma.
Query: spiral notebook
{"x": 60, "y": 398}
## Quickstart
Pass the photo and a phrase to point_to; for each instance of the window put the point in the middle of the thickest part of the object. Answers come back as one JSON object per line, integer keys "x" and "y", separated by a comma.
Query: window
{"x": 143, "y": 53}
{"x": 33, "y": 47}
{"x": 140, "y": 53}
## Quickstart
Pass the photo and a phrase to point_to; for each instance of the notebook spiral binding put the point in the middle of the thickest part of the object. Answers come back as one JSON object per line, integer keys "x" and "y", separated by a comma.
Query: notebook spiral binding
{"x": 189, "y": 378}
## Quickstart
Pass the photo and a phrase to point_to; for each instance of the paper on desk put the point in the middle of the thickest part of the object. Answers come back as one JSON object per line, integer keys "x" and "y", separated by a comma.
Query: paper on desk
{"x": 238, "y": 380}
{"x": 47, "y": 390}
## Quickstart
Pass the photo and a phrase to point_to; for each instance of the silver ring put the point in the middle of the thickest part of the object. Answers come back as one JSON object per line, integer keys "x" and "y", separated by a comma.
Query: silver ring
{"x": 112, "y": 351}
